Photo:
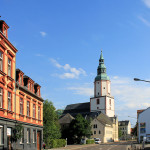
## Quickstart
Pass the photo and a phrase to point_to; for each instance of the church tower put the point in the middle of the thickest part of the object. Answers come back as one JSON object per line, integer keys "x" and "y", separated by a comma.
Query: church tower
{"x": 102, "y": 100}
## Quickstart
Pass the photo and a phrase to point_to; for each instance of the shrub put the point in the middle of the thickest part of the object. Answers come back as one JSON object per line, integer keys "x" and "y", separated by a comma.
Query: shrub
{"x": 57, "y": 143}
{"x": 90, "y": 141}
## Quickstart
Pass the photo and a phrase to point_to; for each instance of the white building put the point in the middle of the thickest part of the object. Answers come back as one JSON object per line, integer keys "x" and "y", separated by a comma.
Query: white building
{"x": 144, "y": 124}
{"x": 102, "y": 100}
{"x": 125, "y": 127}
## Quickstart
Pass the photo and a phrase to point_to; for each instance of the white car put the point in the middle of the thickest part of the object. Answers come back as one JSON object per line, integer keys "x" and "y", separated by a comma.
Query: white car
{"x": 97, "y": 140}
{"x": 147, "y": 139}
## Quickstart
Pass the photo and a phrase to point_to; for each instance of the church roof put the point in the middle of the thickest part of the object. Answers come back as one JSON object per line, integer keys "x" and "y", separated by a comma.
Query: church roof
{"x": 77, "y": 108}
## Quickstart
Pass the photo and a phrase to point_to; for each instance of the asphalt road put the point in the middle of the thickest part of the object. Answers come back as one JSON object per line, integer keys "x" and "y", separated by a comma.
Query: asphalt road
{"x": 112, "y": 146}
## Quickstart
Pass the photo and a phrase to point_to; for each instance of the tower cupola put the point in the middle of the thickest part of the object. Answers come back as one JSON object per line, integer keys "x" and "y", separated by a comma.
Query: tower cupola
{"x": 101, "y": 70}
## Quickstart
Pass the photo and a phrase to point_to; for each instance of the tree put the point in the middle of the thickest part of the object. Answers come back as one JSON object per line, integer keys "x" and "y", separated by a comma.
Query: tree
{"x": 119, "y": 133}
{"x": 79, "y": 128}
{"x": 51, "y": 128}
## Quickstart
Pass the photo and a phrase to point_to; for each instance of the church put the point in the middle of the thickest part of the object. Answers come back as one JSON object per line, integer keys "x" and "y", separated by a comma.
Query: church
{"x": 100, "y": 108}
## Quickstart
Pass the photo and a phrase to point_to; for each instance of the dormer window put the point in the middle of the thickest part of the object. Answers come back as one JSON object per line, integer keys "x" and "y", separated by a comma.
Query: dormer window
{"x": 29, "y": 86}
{"x": 4, "y": 31}
{"x": 21, "y": 80}
{"x": 1, "y": 61}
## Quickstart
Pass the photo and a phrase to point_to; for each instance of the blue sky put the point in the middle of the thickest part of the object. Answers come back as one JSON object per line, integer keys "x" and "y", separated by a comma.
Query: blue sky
{"x": 59, "y": 44}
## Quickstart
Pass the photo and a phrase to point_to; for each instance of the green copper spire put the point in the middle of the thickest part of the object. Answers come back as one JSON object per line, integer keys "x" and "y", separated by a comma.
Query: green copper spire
{"x": 101, "y": 70}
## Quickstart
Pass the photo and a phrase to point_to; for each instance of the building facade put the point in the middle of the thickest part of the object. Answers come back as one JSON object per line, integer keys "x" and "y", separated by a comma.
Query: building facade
{"x": 125, "y": 128}
{"x": 20, "y": 101}
{"x": 144, "y": 124}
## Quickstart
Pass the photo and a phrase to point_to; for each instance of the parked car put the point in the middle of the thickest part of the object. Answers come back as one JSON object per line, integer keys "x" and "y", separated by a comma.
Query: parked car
{"x": 83, "y": 141}
{"x": 97, "y": 140}
{"x": 147, "y": 139}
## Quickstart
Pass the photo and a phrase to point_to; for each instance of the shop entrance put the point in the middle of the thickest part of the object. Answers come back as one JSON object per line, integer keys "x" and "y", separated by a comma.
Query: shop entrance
{"x": 38, "y": 140}
{"x": 9, "y": 140}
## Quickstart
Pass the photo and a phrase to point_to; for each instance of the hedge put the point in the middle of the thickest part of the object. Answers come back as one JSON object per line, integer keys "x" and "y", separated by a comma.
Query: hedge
{"x": 57, "y": 143}
{"x": 90, "y": 141}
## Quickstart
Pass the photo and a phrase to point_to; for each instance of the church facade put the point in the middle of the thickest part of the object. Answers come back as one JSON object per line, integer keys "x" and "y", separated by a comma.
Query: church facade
{"x": 100, "y": 108}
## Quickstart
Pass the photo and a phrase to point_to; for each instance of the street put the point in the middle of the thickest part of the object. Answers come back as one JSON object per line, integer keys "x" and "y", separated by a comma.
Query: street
{"x": 107, "y": 146}
{"x": 112, "y": 146}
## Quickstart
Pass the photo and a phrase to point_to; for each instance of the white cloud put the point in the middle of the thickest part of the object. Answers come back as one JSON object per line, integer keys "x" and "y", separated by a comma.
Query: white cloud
{"x": 86, "y": 91}
{"x": 70, "y": 72}
{"x": 146, "y": 22}
{"x": 43, "y": 34}
{"x": 147, "y": 3}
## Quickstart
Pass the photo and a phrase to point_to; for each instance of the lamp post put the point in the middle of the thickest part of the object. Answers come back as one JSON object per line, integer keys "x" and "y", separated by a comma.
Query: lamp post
{"x": 136, "y": 79}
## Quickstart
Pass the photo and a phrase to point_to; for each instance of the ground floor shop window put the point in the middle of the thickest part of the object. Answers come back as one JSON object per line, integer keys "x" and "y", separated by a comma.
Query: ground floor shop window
{"x": 28, "y": 135}
{"x": 1, "y": 135}
{"x": 22, "y": 137}
{"x": 34, "y": 136}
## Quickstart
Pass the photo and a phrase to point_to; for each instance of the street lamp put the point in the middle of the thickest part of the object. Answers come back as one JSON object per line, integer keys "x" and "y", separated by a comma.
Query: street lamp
{"x": 136, "y": 79}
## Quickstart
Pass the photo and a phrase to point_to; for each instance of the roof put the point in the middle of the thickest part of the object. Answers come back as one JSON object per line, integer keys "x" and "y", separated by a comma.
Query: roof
{"x": 104, "y": 119}
{"x": 77, "y": 108}
{"x": 66, "y": 119}
{"x": 123, "y": 123}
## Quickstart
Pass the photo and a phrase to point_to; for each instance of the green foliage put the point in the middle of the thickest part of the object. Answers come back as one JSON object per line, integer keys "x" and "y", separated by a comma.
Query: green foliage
{"x": 119, "y": 133}
{"x": 17, "y": 132}
{"x": 78, "y": 128}
{"x": 57, "y": 143}
{"x": 90, "y": 141}
{"x": 51, "y": 128}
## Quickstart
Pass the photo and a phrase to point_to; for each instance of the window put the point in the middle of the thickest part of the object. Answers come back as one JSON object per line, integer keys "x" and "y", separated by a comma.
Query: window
{"x": 21, "y": 106}
{"x": 142, "y": 127}
{"x": 38, "y": 92}
{"x": 94, "y": 132}
{"x": 34, "y": 136}
{"x": 4, "y": 31}
{"x": 39, "y": 113}
{"x": 28, "y": 135}
{"x": 33, "y": 110}
{"x": 110, "y": 101}
{"x": 21, "y": 80}
{"x": 97, "y": 101}
{"x": 9, "y": 101}
{"x": 9, "y": 67}
{"x": 29, "y": 86}
{"x": 1, "y": 97}
{"x": 1, "y": 61}
{"x": 99, "y": 132}
{"x": 98, "y": 93}
{"x": 1, "y": 134}
{"x": 28, "y": 108}
{"x": 22, "y": 137}
{"x": 97, "y": 107}
{"x": 95, "y": 126}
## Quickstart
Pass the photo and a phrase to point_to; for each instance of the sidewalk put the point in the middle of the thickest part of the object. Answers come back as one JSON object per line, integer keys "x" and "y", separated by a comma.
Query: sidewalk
{"x": 72, "y": 147}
